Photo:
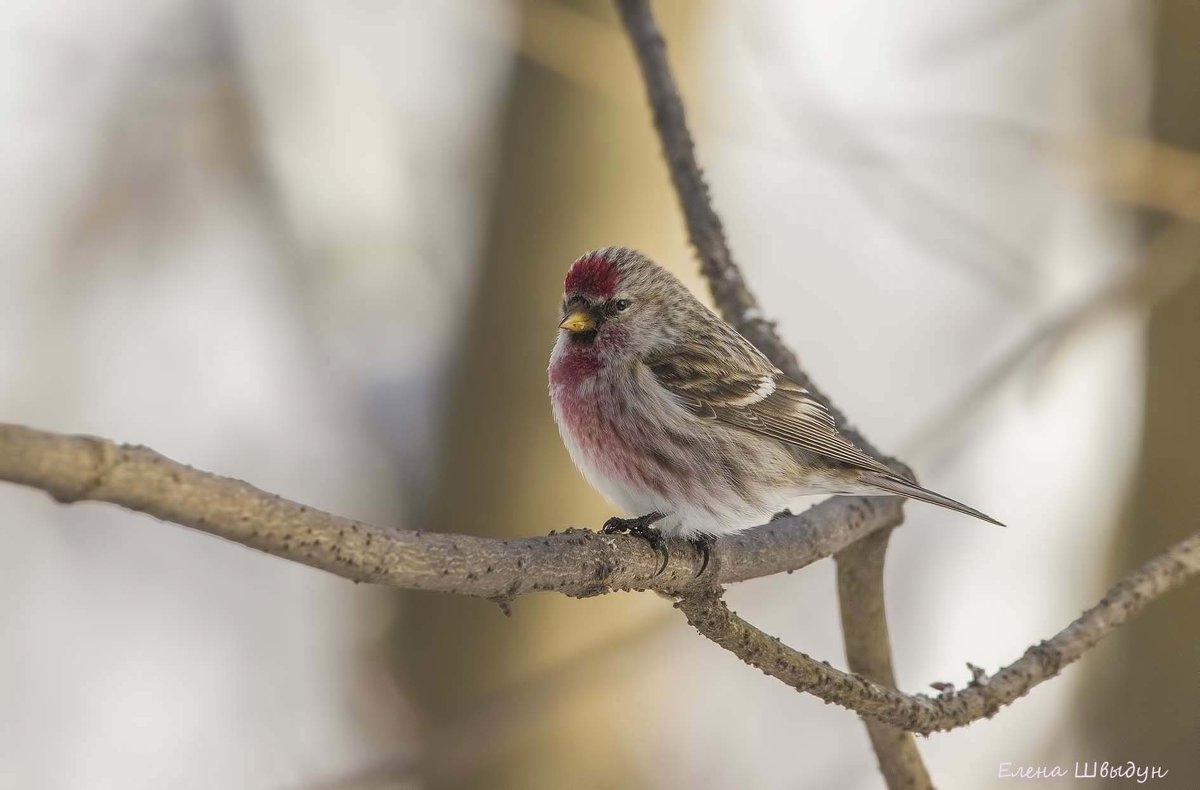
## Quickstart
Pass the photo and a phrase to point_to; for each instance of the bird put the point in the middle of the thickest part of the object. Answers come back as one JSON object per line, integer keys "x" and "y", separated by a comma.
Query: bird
{"x": 677, "y": 419}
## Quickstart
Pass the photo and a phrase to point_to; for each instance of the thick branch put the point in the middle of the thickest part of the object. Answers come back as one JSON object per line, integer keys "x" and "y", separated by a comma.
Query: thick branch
{"x": 576, "y": 563}
{"x": 982, "y": 698}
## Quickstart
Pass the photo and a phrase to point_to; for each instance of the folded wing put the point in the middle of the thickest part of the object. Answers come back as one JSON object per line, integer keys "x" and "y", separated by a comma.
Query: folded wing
{"x": 756, "y": 397}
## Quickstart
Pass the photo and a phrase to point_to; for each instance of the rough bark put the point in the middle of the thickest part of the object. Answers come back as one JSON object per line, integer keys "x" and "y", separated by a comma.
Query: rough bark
{"x": 577, "y": 562}
{"x": 983, "y": 696}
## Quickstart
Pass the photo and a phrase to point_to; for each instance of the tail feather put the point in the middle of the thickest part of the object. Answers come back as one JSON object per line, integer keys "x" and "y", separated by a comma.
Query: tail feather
{"x": 898, "y": 485}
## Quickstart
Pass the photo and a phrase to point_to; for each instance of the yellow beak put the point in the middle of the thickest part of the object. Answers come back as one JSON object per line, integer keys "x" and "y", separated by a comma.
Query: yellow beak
{"x": 578, "y": 321}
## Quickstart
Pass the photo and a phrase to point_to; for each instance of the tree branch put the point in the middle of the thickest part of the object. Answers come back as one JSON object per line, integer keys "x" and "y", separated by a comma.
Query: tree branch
{"x": 576, "y": 563}
{"x": 80, "y": 468}
{"x": 581, "y": 563}
{"x": 731, "y": 294}
{"x": 863, "y": 618}
{"x": 869, "y": 653}
{"x": 983, "y": 697}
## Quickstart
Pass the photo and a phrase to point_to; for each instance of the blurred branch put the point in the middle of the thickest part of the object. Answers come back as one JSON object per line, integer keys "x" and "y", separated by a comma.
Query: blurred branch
{"x": 863, "y": 617}
{"x": 576, "y": 563}
{"x": 983, "y": 696}
{"x": 883, "y": 182}
{"x": 1141, "y": 172}
{"x": 1166, "y": 264}
{"x": 987, "y": 29}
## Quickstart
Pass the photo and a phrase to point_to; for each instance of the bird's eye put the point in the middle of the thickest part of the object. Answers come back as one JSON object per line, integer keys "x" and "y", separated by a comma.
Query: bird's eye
{"x": 622, "y": 305}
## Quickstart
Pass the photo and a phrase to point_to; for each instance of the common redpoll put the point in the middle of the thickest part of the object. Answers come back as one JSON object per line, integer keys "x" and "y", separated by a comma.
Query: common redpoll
{"x": 675, "y": 417}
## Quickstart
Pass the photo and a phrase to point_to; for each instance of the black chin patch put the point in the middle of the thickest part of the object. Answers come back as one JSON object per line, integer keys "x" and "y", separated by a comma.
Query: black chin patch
{"x": 586, "y": 338}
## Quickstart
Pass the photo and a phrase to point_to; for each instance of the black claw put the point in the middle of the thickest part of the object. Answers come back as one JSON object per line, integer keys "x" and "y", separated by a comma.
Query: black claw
{"x": 615, "y": 524}
{"x": 703, "y": 543}
{"x": 641, "y": 527}
{"x": 785, "y": 513}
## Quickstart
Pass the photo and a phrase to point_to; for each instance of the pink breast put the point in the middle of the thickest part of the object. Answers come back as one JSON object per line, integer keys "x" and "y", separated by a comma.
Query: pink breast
{"x": 603, "y": 432}
{"x": 584, "y": 403}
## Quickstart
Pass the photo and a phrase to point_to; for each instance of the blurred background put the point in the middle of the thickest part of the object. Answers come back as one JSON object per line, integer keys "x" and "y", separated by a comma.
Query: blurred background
{"x": 319, "y": 246}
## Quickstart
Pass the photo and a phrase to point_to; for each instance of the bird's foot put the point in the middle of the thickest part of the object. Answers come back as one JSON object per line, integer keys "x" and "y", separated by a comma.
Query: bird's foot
{"x": 785, "y": 513}
{"x": 641, "y": 527}
{"x": 703, "y": 543}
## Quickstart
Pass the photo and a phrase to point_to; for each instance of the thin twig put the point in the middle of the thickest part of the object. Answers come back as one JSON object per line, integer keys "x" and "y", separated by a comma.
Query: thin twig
{"x": 1165, "y": 264}
{"x": 984, "y": 695}
{"x": 575, "y": 563}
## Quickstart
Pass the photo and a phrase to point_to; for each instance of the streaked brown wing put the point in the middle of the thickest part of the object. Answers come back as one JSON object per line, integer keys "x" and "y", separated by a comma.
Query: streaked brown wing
{"x": 755, "y": 397}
